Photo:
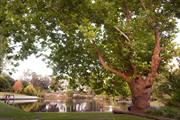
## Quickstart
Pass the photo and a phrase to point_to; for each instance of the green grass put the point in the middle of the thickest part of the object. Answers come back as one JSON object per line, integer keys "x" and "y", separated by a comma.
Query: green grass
{"x": 11, "y": 113}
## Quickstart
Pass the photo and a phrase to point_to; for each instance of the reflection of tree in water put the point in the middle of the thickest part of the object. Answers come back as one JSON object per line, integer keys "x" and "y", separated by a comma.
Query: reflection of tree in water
{"x": 91, "y": 106}
{"x": 53, "y": 108}
{"x": 70, "y": 105}
{"x": 75, "y": 105}
{"x": 122, "y": 106}
{"x": 42, "y": 108}
{"x": 78, "y": 105}
{"x": 107, "y": 105}
{"x": 30, "y": 107}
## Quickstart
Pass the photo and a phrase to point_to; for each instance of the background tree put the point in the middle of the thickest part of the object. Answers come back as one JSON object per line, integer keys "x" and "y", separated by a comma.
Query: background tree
{"x": 3, "y": 51}
{"x": 25, "y": 83}
{"x": 90, "y": 40}
{"x": 30, "y": 90}
{"x": 171, "y": 86}
{"x": 4, "y": 84}
{"x": 55, "y": 85}
{"x": 18, "y": 86}
{"x": 38, "y": 81}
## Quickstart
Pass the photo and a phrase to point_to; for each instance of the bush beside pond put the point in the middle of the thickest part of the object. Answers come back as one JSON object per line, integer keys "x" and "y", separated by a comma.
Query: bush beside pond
{"x": 4, "y": 85}
{"x": 170, "y": 112}
{"x": 30, "y": 90}
{"x": 18, "y": 86}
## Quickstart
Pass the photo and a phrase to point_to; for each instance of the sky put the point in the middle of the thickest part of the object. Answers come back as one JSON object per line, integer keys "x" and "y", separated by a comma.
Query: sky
{"x": 34, "y": 64}
{"x": 37, "y": 65}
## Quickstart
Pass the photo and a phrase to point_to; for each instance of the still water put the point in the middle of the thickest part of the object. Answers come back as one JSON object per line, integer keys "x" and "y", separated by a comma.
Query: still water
{"x": 69, "y": 105}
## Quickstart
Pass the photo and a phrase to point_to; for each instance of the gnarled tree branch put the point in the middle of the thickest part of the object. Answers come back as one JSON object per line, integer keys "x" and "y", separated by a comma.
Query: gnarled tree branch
{"x": 143, "y": 4}
{"x": 127, "y": 11}
{"x": 121, "y": 32}
{"x": 155, "y": 59}
{"x": 109, "y": 67}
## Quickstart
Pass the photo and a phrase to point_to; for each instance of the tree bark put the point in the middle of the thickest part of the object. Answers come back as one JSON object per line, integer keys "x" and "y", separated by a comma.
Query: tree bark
{"x": 141, "y": 92}
{"x": 141, "y": 87}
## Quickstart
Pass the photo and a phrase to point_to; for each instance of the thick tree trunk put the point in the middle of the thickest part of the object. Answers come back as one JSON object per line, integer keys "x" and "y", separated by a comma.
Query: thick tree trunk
{"x": 141, "y": 92}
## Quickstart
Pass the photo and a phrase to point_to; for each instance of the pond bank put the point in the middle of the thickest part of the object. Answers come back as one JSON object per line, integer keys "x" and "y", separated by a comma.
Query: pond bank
{"x": 56, "y": 96}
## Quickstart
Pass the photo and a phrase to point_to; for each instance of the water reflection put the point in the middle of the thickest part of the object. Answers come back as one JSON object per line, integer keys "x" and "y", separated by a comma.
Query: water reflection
{"x": 70, "y": 105}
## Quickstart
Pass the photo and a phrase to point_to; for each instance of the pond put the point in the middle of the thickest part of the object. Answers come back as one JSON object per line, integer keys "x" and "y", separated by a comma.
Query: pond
{"x": 69, "y": 105}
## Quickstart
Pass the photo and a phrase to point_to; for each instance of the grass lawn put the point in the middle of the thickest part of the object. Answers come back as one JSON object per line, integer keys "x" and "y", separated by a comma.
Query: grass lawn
{"x": 11, "y": 113}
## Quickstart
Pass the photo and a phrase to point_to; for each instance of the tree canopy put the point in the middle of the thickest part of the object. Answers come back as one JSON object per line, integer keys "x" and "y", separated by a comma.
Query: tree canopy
{"x": 88, "y": 40}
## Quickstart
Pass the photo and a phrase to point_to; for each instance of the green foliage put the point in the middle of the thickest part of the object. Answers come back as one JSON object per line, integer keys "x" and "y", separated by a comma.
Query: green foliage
{"x": 174, "y": 6}
{"x": 40, "y": 92}
{"x": 171, "y": 86}
{"x": 54, "y": 85}
{"x": 30, "y": 90}
{"x": 8, "y": 78}
{"x": 5, "y": 85}
{"x": 25, "y": 83}
{"x": 3, "y": 51}
{"x": 166, "y": 112}
{"x": 110, "y": 86}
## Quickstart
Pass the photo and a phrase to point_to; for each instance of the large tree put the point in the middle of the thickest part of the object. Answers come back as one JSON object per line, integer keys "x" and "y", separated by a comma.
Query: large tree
{"x": 97, "y": 43}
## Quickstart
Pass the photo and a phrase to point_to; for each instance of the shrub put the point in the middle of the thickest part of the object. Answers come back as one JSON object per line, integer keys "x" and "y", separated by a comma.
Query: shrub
{"x": 40, "y": 92}
{"x": 25, "y": 83}
{"x": 4, "y": 85}
{"x": 170, "y": 87}
{"x": 18, "y": 86}
{"x": 165, "y": 112}
{"x": 9, "y": 79}
{"x": 30, "y": 90}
